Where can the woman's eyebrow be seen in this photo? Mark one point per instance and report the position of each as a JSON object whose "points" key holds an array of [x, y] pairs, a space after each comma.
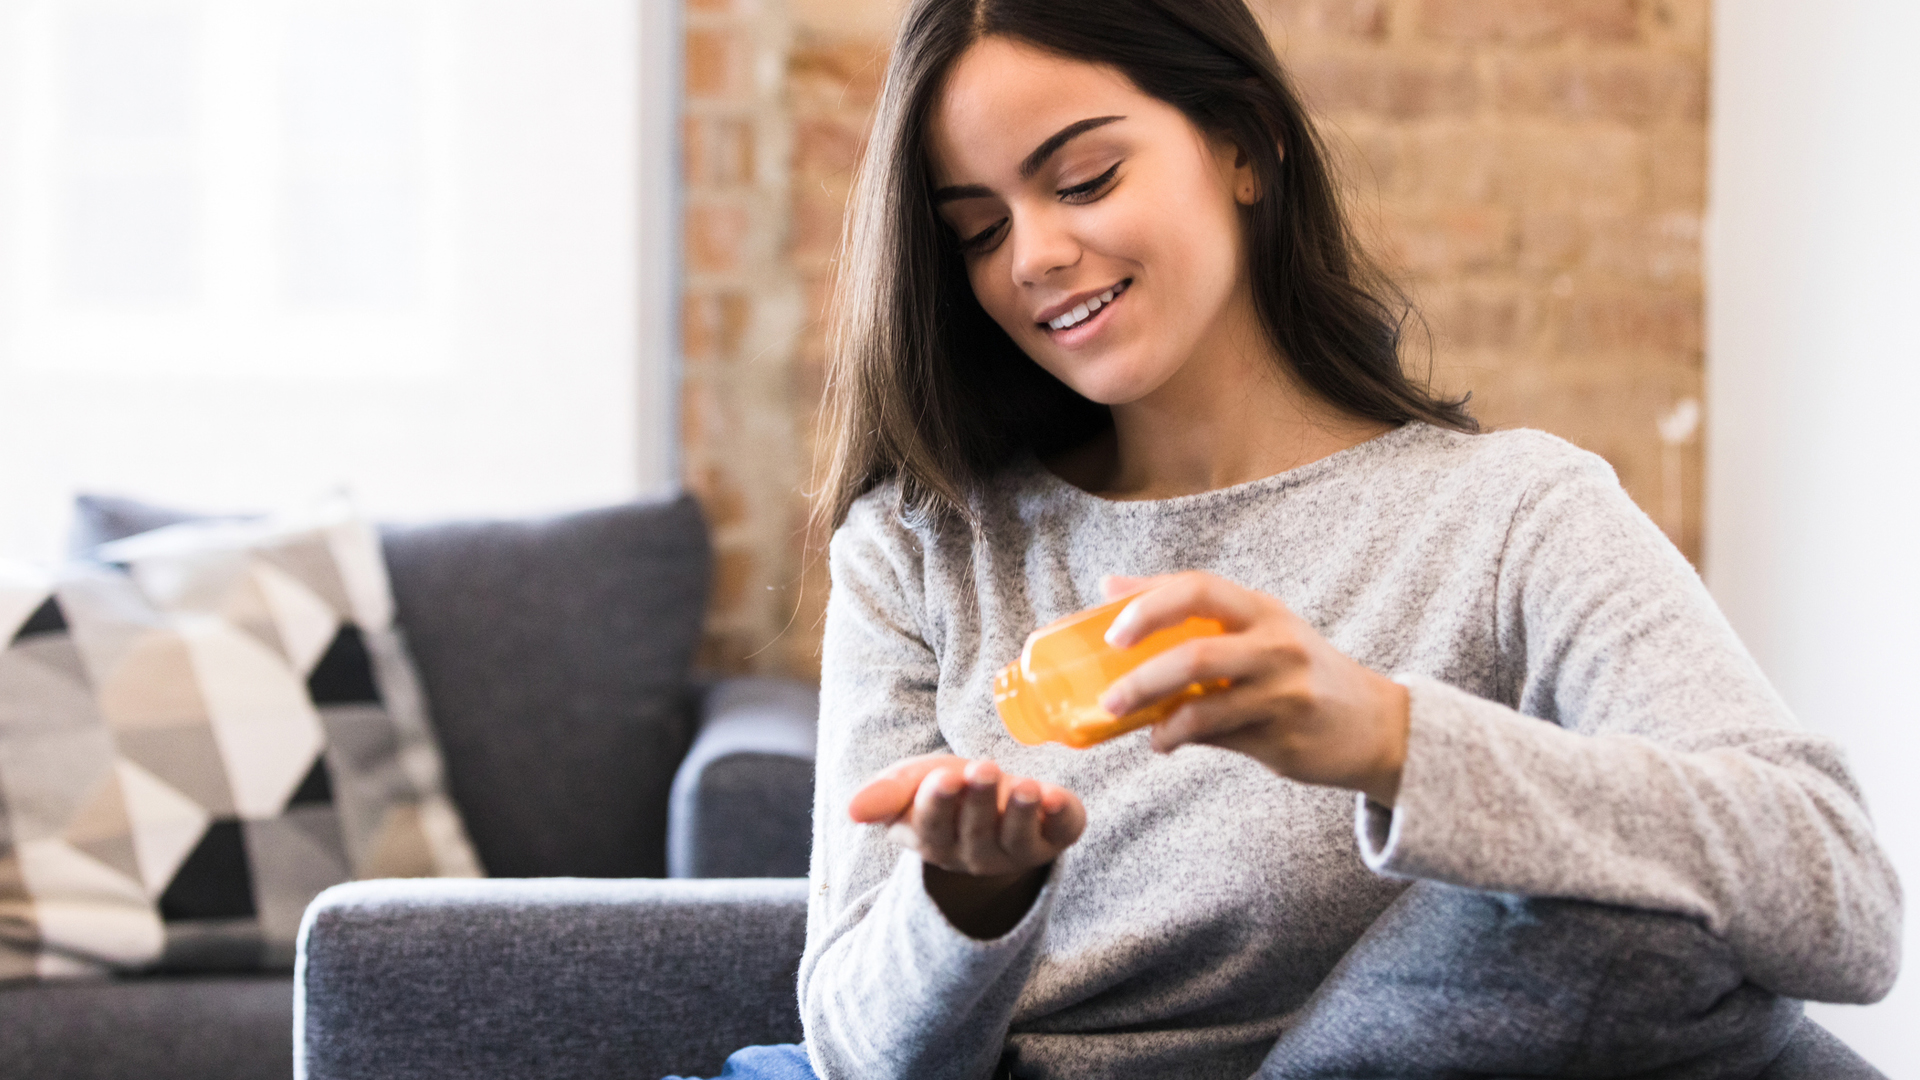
{"points": [[1032, 162], [1059, 139]]}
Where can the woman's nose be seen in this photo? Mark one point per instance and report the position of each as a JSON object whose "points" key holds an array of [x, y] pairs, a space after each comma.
{"points": [[1041, 247]]}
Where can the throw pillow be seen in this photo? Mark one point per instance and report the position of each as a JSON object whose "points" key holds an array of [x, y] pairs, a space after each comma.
{"points": [[198, 739], [557, 653]]}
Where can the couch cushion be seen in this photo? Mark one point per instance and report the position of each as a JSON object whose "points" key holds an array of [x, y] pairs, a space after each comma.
{"points": [[546, 980], [161, 1028], [555, 654]]}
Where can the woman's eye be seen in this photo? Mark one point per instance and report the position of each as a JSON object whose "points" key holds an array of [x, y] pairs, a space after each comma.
{"points": [[985, 238], [1090, 190]]}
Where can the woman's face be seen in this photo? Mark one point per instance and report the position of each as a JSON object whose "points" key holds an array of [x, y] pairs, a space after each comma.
{"points": [[1100, 227]]}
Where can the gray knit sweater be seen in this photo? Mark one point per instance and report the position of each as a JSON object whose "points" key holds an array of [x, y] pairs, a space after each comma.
{"points": [[1584, 724]]}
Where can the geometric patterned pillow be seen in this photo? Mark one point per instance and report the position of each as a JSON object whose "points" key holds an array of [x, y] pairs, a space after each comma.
{"points": [[197, 739]]}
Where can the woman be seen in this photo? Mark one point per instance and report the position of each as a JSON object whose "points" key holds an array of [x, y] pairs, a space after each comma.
{"points": [[1494, 788]]}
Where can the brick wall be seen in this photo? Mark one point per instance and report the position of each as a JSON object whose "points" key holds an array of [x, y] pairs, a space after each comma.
{"points": [[1532, 170]]}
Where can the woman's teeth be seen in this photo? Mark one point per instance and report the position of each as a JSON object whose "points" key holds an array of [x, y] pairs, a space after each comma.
{"points": [[1082, 312]]}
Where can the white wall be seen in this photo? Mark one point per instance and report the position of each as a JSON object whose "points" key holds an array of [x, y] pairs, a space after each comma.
{"points": [[1813, 361]]}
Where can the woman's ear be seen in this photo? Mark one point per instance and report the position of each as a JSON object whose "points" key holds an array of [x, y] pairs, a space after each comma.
{"points": [[1245, 180]]}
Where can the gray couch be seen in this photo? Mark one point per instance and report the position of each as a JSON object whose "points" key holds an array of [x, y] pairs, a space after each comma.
{"points": [[556, 656]]}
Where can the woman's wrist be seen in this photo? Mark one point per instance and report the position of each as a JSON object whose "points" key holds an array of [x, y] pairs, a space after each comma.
{"points": [[1394, 717], [983, 907]]}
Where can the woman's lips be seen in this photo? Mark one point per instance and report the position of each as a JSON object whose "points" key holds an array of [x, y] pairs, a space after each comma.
{"points": [[1089, 324]]}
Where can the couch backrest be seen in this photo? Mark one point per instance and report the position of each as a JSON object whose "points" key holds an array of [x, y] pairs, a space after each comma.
{"points": [[555, 655]]}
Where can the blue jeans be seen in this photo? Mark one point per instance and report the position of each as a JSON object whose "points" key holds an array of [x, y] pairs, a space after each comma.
{"points": [[787, 1061]]}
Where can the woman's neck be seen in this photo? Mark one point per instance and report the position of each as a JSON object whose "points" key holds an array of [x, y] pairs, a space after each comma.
{"points": [[1240, 415]]}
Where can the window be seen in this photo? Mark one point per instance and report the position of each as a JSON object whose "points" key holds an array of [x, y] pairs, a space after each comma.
{"points": [[254, 250]]}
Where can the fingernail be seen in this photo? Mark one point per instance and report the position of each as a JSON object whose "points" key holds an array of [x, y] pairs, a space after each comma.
{"points": [[1111, 701], [1024, 799], [948, 784]]}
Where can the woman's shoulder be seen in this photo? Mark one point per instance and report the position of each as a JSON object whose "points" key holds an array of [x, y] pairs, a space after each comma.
{"points": [[880, 525], [876, 516], [1517, 460]]}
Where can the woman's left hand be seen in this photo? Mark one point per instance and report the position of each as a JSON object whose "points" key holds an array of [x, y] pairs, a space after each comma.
{"points": [[1296, 704]]}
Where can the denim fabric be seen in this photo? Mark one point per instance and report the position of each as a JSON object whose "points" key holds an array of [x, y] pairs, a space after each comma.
{"points": [[1450, 983], [787, 1061]]}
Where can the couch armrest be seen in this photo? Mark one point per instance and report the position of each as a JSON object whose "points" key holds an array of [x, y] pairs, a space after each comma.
{"points": [[742, 800], [548, 977]]}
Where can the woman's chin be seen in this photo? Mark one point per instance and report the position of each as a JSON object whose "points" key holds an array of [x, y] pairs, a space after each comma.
{"points": [[1113, 386]]}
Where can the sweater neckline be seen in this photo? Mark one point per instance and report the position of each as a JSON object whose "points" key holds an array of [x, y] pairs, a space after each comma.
{"points": [[1049, 482]]}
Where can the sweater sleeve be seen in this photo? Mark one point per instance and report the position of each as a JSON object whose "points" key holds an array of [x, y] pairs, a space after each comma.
{"points": [[1669, 775], [888, 987]]}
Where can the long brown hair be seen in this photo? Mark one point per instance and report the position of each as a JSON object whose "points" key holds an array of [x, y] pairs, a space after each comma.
{"points": [[922, 383]]}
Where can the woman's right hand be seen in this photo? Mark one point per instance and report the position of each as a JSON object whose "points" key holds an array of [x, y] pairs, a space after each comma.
{"points": [[986, 838]]}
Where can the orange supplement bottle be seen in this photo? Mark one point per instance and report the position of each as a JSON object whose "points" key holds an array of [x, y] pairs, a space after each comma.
{"points": [[1052, 693]]}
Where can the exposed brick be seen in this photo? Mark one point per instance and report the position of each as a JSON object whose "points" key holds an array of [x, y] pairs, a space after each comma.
{"points": [[696, 409], [845, 18], [1367, 159], [1364, 20], [718, 62], [1529, 22], [1551, 241], [712, 324], [1684, 24], [1660, 248], [825, 146], [1448, 240], [817, 216], [1631, 88], [734, 569], [722, 499], [810, 372], [810, 356], [717, 151], [1594, 169], [817, 287], [1475, 318], [1595, 320], [1387, 84], [716, 237], [709, 413], [836, 73], [1439, 164], [1677, 168], [728, 651]]}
